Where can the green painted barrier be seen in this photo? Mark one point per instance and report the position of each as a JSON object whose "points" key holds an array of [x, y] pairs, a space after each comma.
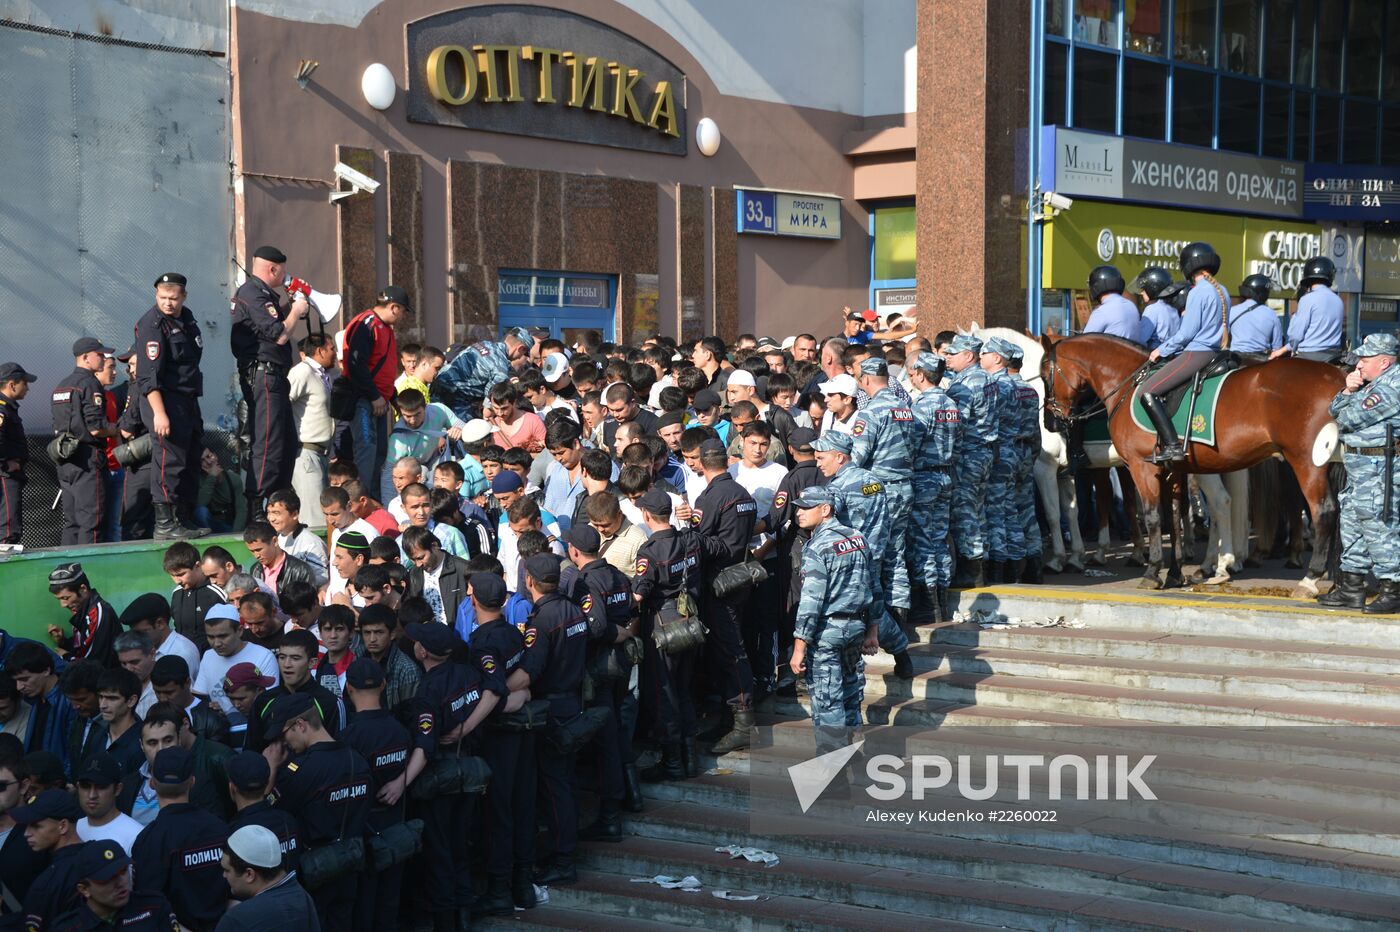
{"points": [[120, 572]]}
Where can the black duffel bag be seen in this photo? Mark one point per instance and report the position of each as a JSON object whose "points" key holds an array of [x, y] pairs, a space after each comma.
{"points": [[529, 717], [63, 448], [395, 844], [675, 632], [320, 866], [134, 452], [343, 399], [736, 579], [615, 660], [569, 737], [450, 776]]}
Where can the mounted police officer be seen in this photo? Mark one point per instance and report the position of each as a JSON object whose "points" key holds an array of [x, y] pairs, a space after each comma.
{"points": [[1254, 327], [1113, 314], [261, 339], [1164, 318], [937, 423], [1203, 333], [169, 381], [1368, 412], [1315, 331], [976, 398], [79, 410]]}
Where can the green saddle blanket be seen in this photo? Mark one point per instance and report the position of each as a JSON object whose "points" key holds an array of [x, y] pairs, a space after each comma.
{"points": [[1202, 416]]}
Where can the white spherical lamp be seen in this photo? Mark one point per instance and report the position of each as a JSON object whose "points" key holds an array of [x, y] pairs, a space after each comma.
{"points": [[378, 86], [707, 137]]}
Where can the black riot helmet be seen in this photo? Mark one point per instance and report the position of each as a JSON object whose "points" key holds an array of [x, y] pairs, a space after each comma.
{"points": [[1318, 269], [1257, 288], [1175, 294], [1197, 257], [1152, 280], [1105, 280]]}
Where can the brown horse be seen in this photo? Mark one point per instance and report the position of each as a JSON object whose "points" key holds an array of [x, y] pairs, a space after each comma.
{"points": [[1277, 407]]}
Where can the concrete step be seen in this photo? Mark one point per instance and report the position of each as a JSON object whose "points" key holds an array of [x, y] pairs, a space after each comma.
{"points": [[909, 892], [982, 878], [551, 917], [1119, 643]]}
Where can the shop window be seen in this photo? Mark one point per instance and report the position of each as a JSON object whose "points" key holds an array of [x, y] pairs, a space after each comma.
{"points": [[1095, 90], [1330, 27], [1361, 123], [1277, 107], [1193, 107], [1094, 23], [1364, 47], [1390, 137], [1239, 36], [1056, 19], [1390, 78], [1145, 27], [1302, 125], [895, 255], [1326, 139], [1144, 99], [1239, 115], [1304, 31], [1053, 104], [1278, 40], [1195, 32]]}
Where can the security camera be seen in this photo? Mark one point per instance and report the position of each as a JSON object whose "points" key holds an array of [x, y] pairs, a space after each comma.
{"points": [[1058, 201], [358, 181]]}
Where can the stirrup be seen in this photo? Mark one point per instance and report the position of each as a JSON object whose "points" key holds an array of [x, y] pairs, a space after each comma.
{"points": [[1170, 453]]}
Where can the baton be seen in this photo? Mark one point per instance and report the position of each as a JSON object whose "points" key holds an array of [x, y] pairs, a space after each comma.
{"points": [[1389, 471]]}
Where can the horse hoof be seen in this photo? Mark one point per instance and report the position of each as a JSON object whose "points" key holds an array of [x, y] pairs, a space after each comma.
{"points": [[1196, 578], [1252, 563], [1293, 564], [1174, 582], [1150, 582], [1054, 567], [1133, 561]]}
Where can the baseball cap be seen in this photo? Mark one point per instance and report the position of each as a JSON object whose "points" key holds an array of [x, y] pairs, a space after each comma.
{"points": [[243, 675], [802, 438], [544, 567], [833, 441], [869, 314], [100, 861], [393, 294], [874, 366], [65, 574], [742, 377], [475, 429], [228, 612], [814, 495], [249, 770], [257, 845], [170, 669], [100, 769], [706, 398], [50, 804], [171, 278], [13, 372], [655, 502], [1378, 344], [270, 253], [437, 639], [365, 673], [147, 607], [789, 341], [285, 708], [84, 345], [173, 766], [488, 589], [712, 446], [964, 342], [554, 367], [842, 384], [507, 480], [584, 537], [855, 315]]}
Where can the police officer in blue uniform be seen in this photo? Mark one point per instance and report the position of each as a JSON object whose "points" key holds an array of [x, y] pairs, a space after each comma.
{"points": [[881, 443], [497, 649], [104, 887], [1316, 328], [937, 423], [1164, 318], [169, 348], [556, 645], [976, 398], [1254, 328], [14, 451], [79, 409], [992, 359], [452, 702], [668, 565], [261, 339], [326, 785], [472, 371], [54, 891], [249, 776], [1113, 314]]}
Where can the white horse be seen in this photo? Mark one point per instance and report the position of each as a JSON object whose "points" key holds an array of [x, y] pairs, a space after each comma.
{"points": [[1227, 496]]}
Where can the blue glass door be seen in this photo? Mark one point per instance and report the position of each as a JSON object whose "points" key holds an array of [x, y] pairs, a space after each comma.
{"points": [[565, 303]]}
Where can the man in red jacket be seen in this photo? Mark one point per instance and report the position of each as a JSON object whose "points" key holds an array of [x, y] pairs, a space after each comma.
{"points": [[371, 364]]}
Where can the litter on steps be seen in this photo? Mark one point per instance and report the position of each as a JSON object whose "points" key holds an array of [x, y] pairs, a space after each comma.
{"points": [[984, 618], [737, 897], [689, 883], [755, 855]]}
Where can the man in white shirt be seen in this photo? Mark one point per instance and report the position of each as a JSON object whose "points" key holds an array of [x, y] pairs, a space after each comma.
{"points": [[840, 393], [149, 614], [335, 504], [310, 389], [759, 477], [226, 648], [99, 780], [518, 515]]}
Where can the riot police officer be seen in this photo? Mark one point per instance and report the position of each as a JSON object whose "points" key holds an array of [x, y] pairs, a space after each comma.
{"points": [[880, 438], [14, 451], [668, 565], [261, 338], [935, 441], [169, 348], [976, 398], [992, 359], [1164, 318], [79, 411], [1254, 327], [1368, 412], [1315, 330]]}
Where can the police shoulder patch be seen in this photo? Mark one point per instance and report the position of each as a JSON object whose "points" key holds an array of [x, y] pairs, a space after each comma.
{"points": [[780, 499], [271, 309], [587, 603], [1371, 400], [858, 429], [530, 637], [153, 350], [425, 723], [643, 564], [488, 663]]}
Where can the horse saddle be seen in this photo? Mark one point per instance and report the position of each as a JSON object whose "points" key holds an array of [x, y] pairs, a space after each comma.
{"points": [[1194, 400]]}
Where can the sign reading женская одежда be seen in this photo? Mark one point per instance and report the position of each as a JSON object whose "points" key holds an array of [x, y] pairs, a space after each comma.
{"points": [[534, 71]]}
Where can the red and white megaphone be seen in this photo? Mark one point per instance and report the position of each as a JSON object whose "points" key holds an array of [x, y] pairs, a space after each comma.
{"points": [[326, 305]]}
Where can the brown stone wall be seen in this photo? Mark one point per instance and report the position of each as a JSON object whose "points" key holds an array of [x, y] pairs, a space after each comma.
{"points": [[406, 239]]}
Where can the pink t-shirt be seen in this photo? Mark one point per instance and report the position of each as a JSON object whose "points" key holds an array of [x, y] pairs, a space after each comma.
{"points": [[529, 428]]}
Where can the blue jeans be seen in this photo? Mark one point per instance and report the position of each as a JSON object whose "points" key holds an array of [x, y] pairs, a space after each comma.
{"points": [[369, 439], [112, 520], [203, 518]]}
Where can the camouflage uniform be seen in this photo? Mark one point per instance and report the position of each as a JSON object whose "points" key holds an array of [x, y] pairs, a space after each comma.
{"points": [[882, 435], [1001, 497], [976, 398], [1026, 539], [465, 381], [1369, 543], [936, 422], [831, 620]]}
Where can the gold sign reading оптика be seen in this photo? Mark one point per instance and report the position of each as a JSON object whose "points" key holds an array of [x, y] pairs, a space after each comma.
{"points": [[490, 74]]}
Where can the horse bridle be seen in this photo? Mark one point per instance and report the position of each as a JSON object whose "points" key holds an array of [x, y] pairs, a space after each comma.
{"points": [[1069, 417]]}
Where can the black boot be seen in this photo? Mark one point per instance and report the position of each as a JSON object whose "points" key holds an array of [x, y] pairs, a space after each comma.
{"points": [[1169, 449], [690, 758], [184, 516], [257, 510], [560, 872], [1015, 570], [903, 666], [445, 920], [996, 572], [497, 901], [922, 607], [1348, 592], [167, 528], [739, 736], [522, 888], [631, 788], [718, 730], [969, 574], [1035, 571], [607, 827], [940, 600], [1387, 601], [671, 765]]}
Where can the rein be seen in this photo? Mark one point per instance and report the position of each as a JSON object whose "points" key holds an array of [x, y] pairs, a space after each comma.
{"points": [[1053, 405]]}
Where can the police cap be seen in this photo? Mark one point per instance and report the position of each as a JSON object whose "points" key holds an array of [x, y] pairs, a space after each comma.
{"points": [[802, 439], [833, 441], [655, 502], [489, 589], [249, 770], [543, 567], [584, 537], [14, 372], [966, 342], [175, 765], [365, 673], [84, 345], [874, 366], [100, 861], [814, 495], [285, 708], [270, 253], [50, 804], [437, 639], [1379, 344], [171, 278]]}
